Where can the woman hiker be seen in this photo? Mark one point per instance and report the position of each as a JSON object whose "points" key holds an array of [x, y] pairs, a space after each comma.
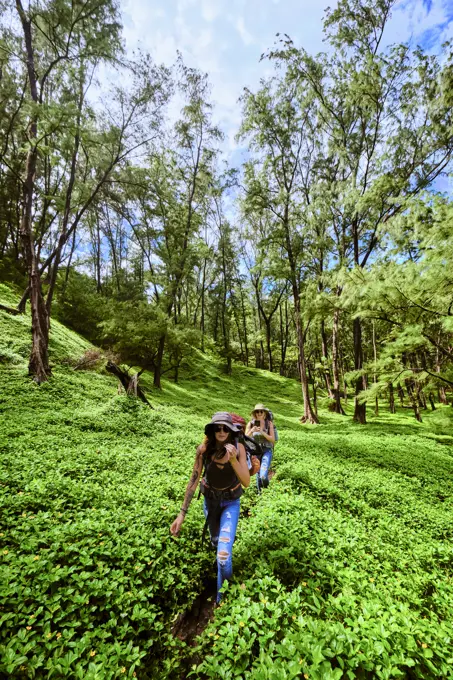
{"points": [[261, 428], [226, 472]]}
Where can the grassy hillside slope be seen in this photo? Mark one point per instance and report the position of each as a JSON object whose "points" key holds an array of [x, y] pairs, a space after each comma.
{"points": [[342, 568]]}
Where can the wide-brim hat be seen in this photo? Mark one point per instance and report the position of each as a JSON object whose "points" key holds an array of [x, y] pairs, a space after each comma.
{"points": [[221, 418], [260, 407]]}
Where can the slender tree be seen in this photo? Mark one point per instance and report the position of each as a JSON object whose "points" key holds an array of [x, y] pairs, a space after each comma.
{"points": [[278, 121], [385, 118]]}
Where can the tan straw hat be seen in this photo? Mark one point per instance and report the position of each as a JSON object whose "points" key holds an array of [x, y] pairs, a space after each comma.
{"points": [[260, 407]]}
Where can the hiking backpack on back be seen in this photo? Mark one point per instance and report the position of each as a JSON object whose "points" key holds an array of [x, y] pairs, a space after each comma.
{"points": [[252, 451], [252, 448], [271, 418]]}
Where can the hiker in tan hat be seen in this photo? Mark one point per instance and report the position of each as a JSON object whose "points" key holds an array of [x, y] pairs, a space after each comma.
{"points": [[225, 473], [261, 428]]}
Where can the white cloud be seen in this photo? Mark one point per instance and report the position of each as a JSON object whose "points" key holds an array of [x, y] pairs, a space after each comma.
{"points": [[247, 37], [226, 37], [164, 48], [210, 10], [182, 5], [205, 38], [410, 20]]}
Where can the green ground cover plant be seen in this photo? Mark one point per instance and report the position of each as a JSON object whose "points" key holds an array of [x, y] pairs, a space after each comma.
{"points": [[343, 568]]}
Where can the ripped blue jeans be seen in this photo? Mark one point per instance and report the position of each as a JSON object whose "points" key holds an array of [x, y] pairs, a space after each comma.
{"points": [[223, 519], [262, 477]]}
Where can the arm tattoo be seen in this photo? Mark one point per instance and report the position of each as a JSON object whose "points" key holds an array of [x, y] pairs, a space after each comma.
{"points": [[187, 499], [193, 479], [190, 490]]}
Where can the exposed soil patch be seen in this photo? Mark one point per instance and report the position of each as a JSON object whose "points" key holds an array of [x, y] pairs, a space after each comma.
{"points": [[192, 623]]}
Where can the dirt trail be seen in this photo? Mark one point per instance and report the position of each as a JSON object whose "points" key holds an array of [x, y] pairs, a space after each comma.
{"points": [[192, 623]]}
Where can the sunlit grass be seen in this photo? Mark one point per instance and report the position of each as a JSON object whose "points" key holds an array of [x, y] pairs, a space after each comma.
{"points": [[360, 515]]}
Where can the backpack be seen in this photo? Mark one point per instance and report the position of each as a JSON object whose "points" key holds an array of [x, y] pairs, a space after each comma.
{"points": [[252, 448], [271, 418]]}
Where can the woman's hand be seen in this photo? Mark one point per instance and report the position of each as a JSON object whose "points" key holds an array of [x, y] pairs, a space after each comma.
{"points": [[177, 524], [231, 452]]}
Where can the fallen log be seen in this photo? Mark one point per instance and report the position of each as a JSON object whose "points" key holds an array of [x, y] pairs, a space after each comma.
{"points": [[129, 382], [89, 359], [10, 310]]}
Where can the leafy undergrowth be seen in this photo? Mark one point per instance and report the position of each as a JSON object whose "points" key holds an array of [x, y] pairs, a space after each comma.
{"points": [[343, 567]]}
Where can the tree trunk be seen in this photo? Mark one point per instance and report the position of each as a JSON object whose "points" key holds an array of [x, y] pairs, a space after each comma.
{"points": [[68, 200], [203, 282], [431, 401], [442, 395], [391, 399], [421, 399], [68, 266], [419, 394], [441, 389], [413, 400], [244, 323], [309, 415], [359, 409], [376, 405], [116, 257], [283, 337], [129, 382], [216, 323], [325, 354], [268, 344], [261, 354], [315, 396], [255, 348], [238, 325], [411, 391], [225, 327], [97, 255], [38, 366], [338, 408], [21, 307], [158, 364]]}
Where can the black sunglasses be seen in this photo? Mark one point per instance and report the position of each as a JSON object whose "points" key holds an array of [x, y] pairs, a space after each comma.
{"points": [[221, 428]]}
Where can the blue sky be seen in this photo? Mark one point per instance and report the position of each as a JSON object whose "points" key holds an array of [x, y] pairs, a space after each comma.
{"points": [[226, 38]]}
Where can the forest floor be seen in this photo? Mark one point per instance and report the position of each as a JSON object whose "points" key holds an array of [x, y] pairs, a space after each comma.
{"points": [[343, 568]]}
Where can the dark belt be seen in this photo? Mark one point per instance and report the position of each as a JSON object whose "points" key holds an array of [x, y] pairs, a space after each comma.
{"points": [[220, 494]]}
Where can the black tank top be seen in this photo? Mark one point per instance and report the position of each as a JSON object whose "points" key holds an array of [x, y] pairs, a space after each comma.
{"points": [[220, 475]]}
